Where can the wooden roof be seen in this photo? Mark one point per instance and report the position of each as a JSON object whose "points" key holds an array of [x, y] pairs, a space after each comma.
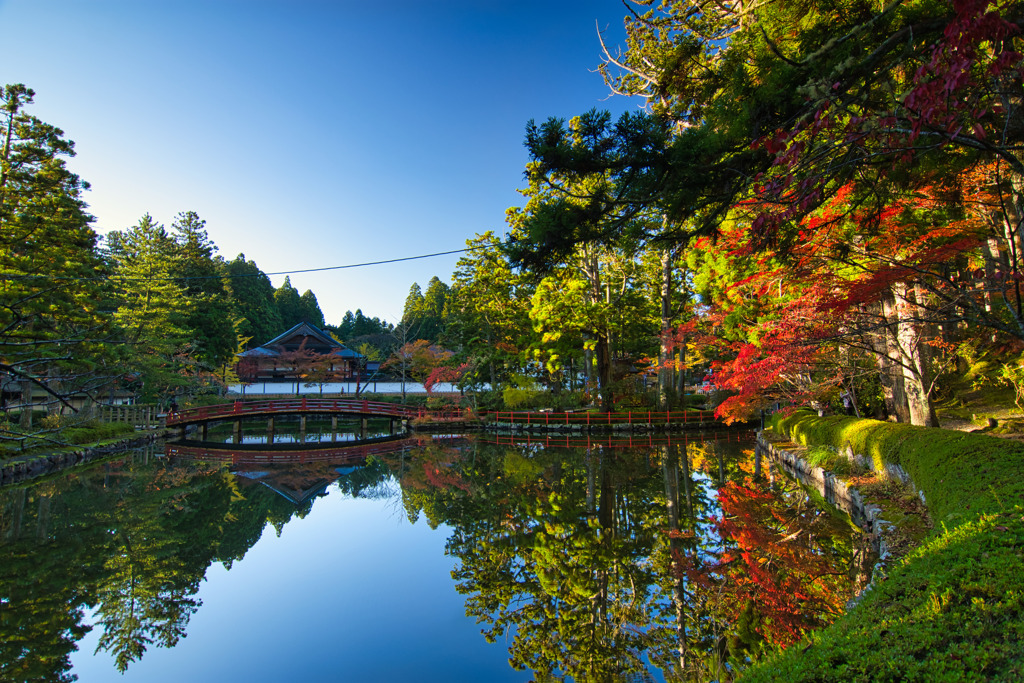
{"points": [[305, 336]]}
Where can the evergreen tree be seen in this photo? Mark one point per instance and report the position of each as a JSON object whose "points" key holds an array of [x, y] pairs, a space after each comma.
{"points": [[289, 305], [49, 268], [348, 323], [413, 305], [152, 311], [311, 312], [489, 308], [209, 317], [252, 302], [434, 309], [424, 313]]}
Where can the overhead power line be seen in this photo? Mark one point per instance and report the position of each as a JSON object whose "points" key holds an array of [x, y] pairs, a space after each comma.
{"points": [[231, 277], [375, 263]]}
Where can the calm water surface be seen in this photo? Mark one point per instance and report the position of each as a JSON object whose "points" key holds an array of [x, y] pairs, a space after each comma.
{"points": [[430, 559]]}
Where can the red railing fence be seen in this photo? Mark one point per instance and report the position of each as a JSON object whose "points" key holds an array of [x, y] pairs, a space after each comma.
{"points": [[651, 417]]}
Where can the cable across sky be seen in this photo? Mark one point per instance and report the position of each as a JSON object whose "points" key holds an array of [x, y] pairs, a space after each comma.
{"points": [[225, 276]]}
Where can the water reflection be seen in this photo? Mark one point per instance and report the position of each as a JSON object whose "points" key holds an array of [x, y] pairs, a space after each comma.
{"points": [[290, 431], [675, 561]]}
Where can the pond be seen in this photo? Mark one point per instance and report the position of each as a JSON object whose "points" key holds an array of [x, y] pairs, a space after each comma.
{"points": [[429, 558]]}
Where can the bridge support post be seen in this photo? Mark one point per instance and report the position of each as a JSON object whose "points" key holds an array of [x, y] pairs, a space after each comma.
{"points": [[270, 430], [302, 427], [238, 431], [182, 430], [391, 426], [362, 427], [202, 431], [334, 428]]}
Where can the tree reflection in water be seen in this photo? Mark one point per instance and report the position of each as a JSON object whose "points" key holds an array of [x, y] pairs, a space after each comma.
{"points": [[600, 563], [595, 563]]}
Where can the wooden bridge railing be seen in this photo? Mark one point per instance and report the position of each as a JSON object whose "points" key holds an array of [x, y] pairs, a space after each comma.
{"points": [[443, 414], [587, 418], [298, 405]]}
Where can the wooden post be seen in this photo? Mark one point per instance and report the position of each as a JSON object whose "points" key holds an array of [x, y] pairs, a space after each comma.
{"points": [[334, 426], [238, 430], [270, 430], [203, 431], [362, 427], [302, 425]]}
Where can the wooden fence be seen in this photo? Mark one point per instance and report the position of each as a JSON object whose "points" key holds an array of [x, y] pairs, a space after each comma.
{"points": [[144, 416]]}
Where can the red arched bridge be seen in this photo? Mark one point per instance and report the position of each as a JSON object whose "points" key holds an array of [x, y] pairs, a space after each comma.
{"points": [[270, 409]]}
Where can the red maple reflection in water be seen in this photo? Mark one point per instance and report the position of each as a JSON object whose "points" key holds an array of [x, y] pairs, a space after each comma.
{"points": [[770, 566]]}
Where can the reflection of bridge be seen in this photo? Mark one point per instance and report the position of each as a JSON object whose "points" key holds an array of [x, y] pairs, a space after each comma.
{"points": [[261, 455], [302, 407]]}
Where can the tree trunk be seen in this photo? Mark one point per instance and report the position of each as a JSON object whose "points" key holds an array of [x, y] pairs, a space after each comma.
{"points": [[592, 270], [670, 472], [993, 261], [896, 400], [665, 350], [1015, 240], [26, 405], [604, 366], [916, 374]]}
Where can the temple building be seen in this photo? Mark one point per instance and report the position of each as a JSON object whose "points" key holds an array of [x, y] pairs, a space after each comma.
{"points": [[301, 353]]}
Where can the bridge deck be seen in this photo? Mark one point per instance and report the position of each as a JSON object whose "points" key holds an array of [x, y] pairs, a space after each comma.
{"points": [[241, 409]]}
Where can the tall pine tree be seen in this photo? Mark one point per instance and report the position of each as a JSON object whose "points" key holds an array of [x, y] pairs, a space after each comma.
{"points": [[50, 324]]}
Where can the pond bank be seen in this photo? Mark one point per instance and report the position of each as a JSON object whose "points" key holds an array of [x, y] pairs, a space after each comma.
{"points": [[952, 609], [875, 503], [24, 468]]}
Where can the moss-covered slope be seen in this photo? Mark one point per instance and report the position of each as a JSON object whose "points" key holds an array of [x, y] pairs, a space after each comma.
{"points": [[952, 609]]}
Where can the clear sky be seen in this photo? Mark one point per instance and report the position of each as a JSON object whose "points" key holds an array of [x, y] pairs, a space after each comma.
{"points": [[311, 133]]}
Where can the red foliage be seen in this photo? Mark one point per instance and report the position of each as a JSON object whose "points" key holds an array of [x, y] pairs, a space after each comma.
{"points": [[447, 374], [769, 561]]}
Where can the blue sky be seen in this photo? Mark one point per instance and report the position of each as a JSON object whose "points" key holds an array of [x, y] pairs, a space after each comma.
{"points": [[311, 133]]}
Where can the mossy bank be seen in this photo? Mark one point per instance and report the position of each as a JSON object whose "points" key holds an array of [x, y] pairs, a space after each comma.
{"points": [[22, 468], [953, 608]]}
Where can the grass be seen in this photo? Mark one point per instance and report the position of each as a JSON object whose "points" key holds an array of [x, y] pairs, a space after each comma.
{"points": [[953, 608], [961, 474], [829, 458], [952, 611], [92, 431]]}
